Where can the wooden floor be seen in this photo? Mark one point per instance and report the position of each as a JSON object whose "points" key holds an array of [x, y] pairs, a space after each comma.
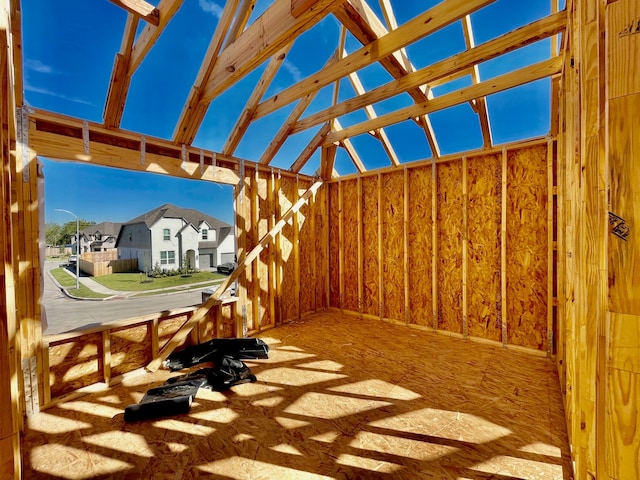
{"points": [[341, 398]]}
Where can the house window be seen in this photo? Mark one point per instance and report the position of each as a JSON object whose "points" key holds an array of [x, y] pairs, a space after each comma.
{"points": [[166, 234], [168, 257], [205, 234]]}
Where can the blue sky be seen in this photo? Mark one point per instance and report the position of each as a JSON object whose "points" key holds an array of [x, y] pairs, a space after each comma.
{"points": [[69, 49]]}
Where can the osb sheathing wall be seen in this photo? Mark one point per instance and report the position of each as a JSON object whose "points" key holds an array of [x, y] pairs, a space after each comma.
{"points": [[480, 232], [288, 278], [598, 242]]}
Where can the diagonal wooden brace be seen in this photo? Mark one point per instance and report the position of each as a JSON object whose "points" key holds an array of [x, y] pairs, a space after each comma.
{"points": [[214, 299]]}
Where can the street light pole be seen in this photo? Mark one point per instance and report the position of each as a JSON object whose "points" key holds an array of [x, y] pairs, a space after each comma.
{"points": [[77, 244]]}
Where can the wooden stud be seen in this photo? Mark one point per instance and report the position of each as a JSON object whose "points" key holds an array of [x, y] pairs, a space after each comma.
{"points": [[550, 247], [255, 236], [360, 247], [434, 242], [314, 235], [106, 356], [341, 241], [380, 259], [278, 242], [503, 249], [405, 244], [296, 249], [273, 283], [465, 245]]}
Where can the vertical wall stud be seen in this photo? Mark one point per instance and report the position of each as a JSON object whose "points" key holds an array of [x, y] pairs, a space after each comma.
{"points": [[503, 249], [465, 246]]}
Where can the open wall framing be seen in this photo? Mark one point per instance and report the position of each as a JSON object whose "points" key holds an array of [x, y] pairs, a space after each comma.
{"points": [[460, 245], [465, 245], [598, 242]]}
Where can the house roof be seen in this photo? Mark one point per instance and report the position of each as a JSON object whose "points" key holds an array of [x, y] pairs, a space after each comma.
{"points": [[168, 210], [331, 87], [111, 229]]}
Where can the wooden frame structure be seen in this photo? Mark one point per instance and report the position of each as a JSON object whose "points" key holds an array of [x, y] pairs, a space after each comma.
{"points": [[530, 245]]}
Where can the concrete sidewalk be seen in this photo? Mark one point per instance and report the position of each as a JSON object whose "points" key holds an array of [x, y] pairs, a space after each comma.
{"points": [[94, 286]]}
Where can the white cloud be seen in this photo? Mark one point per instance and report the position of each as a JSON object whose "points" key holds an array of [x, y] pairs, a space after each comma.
{"points": [[37, 66], [45, 91], [211, 7], [293, 70]]}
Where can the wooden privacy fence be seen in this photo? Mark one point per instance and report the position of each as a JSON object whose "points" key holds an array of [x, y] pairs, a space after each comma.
{"points": [[75, 363], [98, 269], [98, 264]]}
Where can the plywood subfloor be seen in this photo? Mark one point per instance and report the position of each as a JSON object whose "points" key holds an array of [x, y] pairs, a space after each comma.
{"points": [[341, 398]]}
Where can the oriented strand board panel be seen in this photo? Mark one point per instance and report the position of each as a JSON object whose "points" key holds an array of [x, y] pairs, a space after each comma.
{"points": [[450, 224], [623, 61], [623, 398], [306, 243], [334, 246], [420, 247], [266, 209], [336, 399], [370, 272], [527, 247], [167, 327], [392, 244], [130, 348], [289, 301], [483, 249], [624, 217], [75, 364], [350, 247]]}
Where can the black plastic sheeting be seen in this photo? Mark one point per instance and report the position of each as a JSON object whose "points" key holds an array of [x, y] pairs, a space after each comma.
{"points": [[238, 348], [174, 397]]}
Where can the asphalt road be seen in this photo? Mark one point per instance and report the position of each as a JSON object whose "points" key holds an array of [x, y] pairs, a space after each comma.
{"points": [[63, 314]]}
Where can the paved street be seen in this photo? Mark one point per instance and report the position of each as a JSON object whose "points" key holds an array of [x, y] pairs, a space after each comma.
{"points": [[62, 314]]}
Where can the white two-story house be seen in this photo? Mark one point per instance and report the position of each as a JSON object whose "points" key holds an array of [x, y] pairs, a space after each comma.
{"points": [[170, 238]]}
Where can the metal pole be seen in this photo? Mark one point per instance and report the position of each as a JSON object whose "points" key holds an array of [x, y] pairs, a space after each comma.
{"points": [[77, 244]]}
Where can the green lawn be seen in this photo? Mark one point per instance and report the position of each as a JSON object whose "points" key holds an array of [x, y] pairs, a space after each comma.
{"points": [[68, 282], [139, 282]]}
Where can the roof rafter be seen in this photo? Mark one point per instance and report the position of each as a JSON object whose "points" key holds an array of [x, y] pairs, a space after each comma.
{"points": [[285, 130], [380, 134], [291, 120], [430, 21], [311, 147], [480, 105], [130, 58], [445, 68], [140, 9], [424, 121], [241, 126], [528, 74], [194, 111], [276, 27]]}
